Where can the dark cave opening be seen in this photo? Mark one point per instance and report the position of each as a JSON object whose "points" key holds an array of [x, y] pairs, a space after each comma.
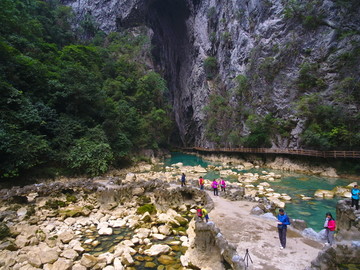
{"points": [[171, 50]]}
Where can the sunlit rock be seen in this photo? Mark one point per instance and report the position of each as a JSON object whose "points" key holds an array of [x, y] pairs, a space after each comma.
{"points": [[157, 249], [321, 193]]}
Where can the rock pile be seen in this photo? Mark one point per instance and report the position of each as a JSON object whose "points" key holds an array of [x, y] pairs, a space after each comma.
{"points": [[64, 228]]}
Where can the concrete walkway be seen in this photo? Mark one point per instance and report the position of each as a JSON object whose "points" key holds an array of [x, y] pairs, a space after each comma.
{"points": [[260, 237]]}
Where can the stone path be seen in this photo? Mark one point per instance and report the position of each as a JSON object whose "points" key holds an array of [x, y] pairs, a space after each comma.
{"points": [[260, 237]]}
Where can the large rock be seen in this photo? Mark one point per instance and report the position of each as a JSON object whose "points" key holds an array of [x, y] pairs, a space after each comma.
{"points": [[348, 221], [66, 236], [332, 257], [69, 254], [118, 265], [256, 211], [63, 264], [42, 254], [320, 193], [157, 249], [8, 259], [88, 260]]}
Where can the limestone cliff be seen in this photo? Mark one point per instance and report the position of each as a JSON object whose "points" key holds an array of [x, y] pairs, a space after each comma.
{"points": [[247, 57]]}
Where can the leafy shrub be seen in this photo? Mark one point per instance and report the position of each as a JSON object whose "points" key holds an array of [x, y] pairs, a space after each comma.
{"points": [[210, 67], [91, 154], [306, 12], [243, 85], [260, 131], [308, 77]]}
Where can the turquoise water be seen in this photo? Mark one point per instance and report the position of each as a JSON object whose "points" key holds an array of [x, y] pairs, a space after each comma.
{"points": [[312, 211]]}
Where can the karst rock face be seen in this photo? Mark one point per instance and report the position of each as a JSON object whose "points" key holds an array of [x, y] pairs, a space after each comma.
{"points": [[262, 43]]}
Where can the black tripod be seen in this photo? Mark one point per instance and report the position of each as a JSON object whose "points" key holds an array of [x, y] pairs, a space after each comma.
{"points": [[247, 257]]}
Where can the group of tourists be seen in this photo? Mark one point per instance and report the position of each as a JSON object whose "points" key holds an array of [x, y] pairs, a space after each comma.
{"points": [[214, 185], [282, 219]]}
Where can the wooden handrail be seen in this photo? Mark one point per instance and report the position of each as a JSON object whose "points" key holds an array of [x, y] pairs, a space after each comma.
{"points": [[301, 152]]}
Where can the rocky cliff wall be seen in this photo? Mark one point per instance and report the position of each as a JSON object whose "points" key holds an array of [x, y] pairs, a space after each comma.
{"points": [[246, 56], [348, 221]]}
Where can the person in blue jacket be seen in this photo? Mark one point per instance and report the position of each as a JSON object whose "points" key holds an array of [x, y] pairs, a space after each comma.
{"points": [[355, 197], [183, 180], [283, 221]]}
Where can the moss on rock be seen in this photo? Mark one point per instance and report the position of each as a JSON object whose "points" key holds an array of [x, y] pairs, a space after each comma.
{"points": [[4, 230], [149, 207]]}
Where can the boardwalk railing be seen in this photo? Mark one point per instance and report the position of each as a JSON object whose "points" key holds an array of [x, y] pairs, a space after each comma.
{"points": [[301, 152]]}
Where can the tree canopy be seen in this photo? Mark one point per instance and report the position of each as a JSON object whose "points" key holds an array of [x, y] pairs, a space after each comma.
{"points": [[76, 106]]}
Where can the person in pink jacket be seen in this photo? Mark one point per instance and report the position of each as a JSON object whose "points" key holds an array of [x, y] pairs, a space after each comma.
{"points": [[330, 226], [222, 184], [214, 185]]}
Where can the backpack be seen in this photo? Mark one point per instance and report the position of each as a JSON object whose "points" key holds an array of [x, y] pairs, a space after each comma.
{"points": [[199, 212]]}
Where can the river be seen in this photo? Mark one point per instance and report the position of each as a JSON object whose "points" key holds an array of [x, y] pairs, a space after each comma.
{"points": [[312, 211]]}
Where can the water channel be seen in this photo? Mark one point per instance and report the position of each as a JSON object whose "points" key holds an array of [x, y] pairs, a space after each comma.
{"points": [[312, 211]]}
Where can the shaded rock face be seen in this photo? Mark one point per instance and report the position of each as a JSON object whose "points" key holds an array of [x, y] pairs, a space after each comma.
{"points": [[210, 249], [348, 221], [267, 42], [164, 197], [331, 258]]}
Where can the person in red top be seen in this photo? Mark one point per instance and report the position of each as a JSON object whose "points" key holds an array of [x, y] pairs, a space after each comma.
{"points": [[201, 183], [330, 226]]}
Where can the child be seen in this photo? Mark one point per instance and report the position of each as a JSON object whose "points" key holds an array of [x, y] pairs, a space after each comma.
{"points": [[201, 183], [205, 214], [202, 213]]}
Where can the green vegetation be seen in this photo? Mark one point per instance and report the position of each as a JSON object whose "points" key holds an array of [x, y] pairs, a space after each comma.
{"points": [[269, 68], [218, 121], [4, 230], [328, 127], [70, 198], [76, 106], [211, 14], [210, 67], [308, 12], [150, 208], [309, 77], [54, 204], [243, 85], [226, 37], [260, 131]]}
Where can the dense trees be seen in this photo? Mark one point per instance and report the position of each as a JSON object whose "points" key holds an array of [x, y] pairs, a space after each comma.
{"points": [[73, 106]]}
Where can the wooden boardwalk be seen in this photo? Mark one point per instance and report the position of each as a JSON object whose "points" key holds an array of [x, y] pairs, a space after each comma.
{"points": [[300, 152]]}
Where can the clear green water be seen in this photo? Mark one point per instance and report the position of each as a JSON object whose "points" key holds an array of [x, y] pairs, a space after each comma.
{"points": [[312, 211], [109, 242]]}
